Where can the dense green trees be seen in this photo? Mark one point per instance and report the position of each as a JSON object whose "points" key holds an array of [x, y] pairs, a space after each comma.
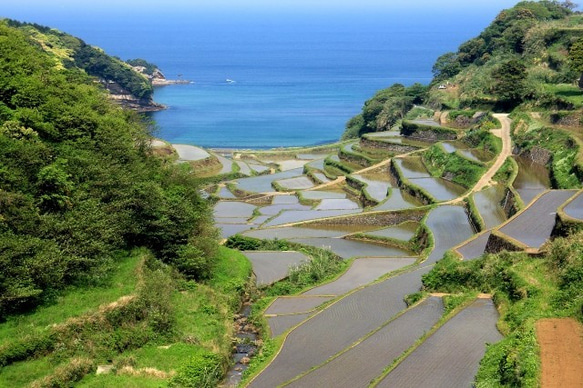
{"points": [[576, 59], [385, 109], [77, 182]]}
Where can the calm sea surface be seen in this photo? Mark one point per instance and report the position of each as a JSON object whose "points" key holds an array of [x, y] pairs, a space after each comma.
{"points": [[296, 81]]}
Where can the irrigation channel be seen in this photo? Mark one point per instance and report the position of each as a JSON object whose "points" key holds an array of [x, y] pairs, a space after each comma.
{"points": [[358, 329]]}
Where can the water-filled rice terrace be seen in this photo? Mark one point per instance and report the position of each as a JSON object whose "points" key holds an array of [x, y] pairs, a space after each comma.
{"points": [[376, 204]]}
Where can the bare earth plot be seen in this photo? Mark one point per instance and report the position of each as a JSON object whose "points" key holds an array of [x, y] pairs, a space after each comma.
{"points": [[270, 267], [364, 362], [362, 271], [337, 327], [561, 346], [451, 356], [534, 225]]}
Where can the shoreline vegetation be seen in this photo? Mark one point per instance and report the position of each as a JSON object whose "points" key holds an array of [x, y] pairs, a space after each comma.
{"points": [[113, 273]]}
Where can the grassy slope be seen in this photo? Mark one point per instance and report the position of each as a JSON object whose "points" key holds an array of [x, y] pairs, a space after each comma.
{"points": [[202, 315]]}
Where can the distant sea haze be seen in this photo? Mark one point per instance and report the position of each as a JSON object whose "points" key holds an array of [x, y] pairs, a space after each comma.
{"points": [[274, 82]]}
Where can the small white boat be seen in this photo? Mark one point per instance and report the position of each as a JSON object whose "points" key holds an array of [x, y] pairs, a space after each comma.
{"points": [[230, 81]]}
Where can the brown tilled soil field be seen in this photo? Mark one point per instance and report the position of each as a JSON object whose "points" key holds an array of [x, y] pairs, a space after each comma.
{"points": [[561, 347]]}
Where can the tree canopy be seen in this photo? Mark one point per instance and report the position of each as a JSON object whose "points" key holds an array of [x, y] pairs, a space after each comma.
{"points": [[78, 182]]}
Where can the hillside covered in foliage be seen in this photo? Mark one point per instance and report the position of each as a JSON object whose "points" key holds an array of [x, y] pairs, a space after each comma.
{"points": [[102, 244], [527, 59]]}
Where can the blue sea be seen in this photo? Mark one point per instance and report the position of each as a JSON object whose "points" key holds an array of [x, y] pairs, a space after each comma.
{"points": [[294, 80]]}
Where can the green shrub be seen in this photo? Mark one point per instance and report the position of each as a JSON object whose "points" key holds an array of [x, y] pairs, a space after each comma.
{"points": [[202, 370]]}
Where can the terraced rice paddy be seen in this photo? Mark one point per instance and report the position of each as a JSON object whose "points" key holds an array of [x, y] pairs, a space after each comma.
{"points": [[475, 247], [279, 324], [488, 204], [450, 226], [190, 153], [348, 248], [227, 164], [243, 168], [270, 267], [575, 207], [263, 183], [290, 217], [404, 231], [532, 179], [297, 183], [398, 200], [533, 226], [225, 193], [365, 361], [228, 230], [337, 327], [337, 204], [290, 233], [296, 304], [233, 209], [412, 168], [362, 271], [317, 195], [376, 189], [439, 188], [451, 356]]}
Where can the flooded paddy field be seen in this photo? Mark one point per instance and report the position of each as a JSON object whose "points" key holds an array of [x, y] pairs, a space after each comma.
{"points": [[362, 271], [404, 231], [575, 208], [367, 360], [439, 188], [397, 200], [263, 183], [349, 248], [488, 202], [291, 216], [296, 304], [270, 267], [475, 247], [377, 190], [532, 179], [533, 226], [450, 226], [279, 324], [451, 356], [337, 327], [412, 167]]}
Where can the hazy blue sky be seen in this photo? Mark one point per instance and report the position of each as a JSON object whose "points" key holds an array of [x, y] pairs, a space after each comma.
{"points": [[228, 6]]}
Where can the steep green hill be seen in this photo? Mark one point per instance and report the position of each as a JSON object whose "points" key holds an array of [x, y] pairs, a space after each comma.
{"points": [[526, 59], [69, 52], [106, 252]]}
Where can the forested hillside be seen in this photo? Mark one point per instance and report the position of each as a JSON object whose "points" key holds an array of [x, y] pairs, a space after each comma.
{"points": [[527, 59], [89, 217]]}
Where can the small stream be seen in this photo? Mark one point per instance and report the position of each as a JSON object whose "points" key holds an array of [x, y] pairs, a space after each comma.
{"points": [[244, 348]]}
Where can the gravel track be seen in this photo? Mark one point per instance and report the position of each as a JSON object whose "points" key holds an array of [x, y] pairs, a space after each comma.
{"points": [[451, 356]]}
